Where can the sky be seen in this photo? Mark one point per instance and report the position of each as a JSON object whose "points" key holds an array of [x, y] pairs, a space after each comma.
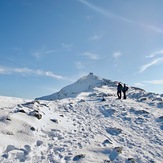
{"points": [[47, 45]]}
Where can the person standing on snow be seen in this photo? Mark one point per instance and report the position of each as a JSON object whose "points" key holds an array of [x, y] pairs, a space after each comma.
{"points": [[119, 90], [124, 90]]}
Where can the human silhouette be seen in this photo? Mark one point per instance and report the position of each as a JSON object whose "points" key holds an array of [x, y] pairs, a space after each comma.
{"points": [[124, 90], [119, 90]]}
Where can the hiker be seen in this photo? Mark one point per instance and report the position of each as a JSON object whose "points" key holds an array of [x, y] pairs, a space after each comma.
{"points": [[119, 90], [124, 90]]}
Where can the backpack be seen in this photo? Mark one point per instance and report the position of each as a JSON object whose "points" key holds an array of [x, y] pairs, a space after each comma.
{"points": [[125, 88]]}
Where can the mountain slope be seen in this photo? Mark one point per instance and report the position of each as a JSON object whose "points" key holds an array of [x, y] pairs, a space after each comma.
{"points": [[90, 83], [84, 84], [85, 129]]}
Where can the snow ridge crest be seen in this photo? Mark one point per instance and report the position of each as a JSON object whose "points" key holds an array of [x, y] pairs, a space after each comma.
{"points": [[84, 84]]}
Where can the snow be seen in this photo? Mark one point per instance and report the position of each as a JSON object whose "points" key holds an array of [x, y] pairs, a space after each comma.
{"points": [[87, 125]]}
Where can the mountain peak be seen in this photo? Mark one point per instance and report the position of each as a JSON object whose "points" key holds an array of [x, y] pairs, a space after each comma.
{"points": [[96, 85], [84, 84]]}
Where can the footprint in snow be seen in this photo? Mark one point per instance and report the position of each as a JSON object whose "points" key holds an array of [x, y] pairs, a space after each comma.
{"points": [[106, 142], [107, 112], [39, 142], [159, 119], [114, 154], [114, 131], [161, 127], [139, 120], [21, 154], [139, 112]]}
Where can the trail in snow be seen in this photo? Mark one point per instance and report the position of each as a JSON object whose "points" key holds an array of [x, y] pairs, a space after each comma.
{"points": [[82, 130], [84, 122]]}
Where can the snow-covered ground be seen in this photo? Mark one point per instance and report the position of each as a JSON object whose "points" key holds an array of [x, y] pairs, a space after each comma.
{"points": [[88, 124]]}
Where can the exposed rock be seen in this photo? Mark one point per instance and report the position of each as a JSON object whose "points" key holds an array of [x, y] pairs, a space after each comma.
{"points": [[102, 95], [143, 99], [8, 119], [54, 120], [39, 116], [78, 157], [131, 160], [22, 111], [103, 99], [119, 149], [157, 99], [32, 128], [36, 114]]}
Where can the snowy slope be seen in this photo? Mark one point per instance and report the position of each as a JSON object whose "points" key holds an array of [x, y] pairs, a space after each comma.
{"points": [[92, 127], [85, 84], [10, 101], [90, 82]]}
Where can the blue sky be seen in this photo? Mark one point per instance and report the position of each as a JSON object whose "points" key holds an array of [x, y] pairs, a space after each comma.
{"points": [[46, 45]]}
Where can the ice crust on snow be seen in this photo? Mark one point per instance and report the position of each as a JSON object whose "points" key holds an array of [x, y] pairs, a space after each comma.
{"points": [[78, 125]]}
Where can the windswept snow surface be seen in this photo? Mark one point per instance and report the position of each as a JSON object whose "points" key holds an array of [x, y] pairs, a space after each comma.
{"points": [[84, 123], [94, 127]]}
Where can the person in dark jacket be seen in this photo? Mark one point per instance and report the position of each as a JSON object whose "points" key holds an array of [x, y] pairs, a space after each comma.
{"points": [[124, 90], [119, 90]]}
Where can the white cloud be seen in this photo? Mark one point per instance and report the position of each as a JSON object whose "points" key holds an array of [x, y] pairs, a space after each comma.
{"points": [[138, 84], [160, 52], [116, 55], [27, 71], [50, 51], [152, 63], [92, 56], [124, 19], [46, 73], [4, 70], [95, 37], [67, 46], [37, 54], [156, 82], [40, 53]]}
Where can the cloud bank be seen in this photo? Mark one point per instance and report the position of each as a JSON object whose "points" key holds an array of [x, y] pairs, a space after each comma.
{"points": [[156, 82], [27, 71]]}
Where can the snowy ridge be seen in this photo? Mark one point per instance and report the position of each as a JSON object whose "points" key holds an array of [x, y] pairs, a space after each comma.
{"points": [[84, 84], [91, 125], [90, 83]]}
